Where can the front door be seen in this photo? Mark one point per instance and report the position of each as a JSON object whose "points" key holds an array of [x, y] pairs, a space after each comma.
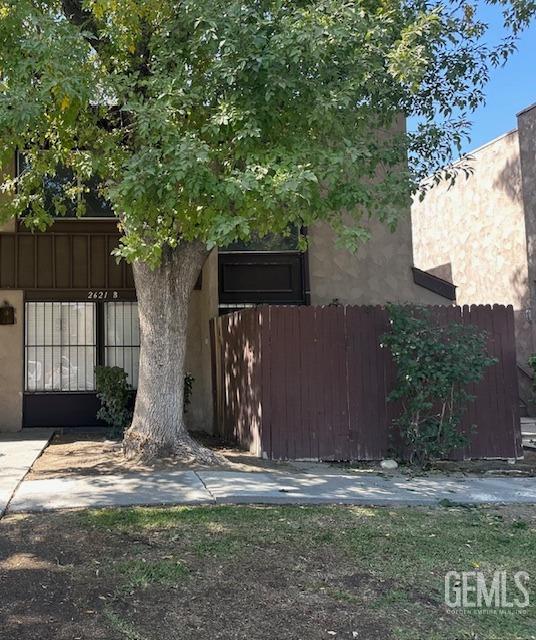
{"points": [[64, 341]]}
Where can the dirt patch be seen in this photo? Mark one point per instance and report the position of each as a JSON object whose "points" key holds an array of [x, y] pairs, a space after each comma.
{"points": [[62, 582], [524, 467], [90, 455], [520, 468], [255, 573]]}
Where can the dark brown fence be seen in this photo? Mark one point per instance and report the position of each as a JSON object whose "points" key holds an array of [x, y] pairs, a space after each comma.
{"points": [[312, 382]]}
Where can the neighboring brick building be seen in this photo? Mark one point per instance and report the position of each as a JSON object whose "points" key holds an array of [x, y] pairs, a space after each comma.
{"points": [[480, 234]]}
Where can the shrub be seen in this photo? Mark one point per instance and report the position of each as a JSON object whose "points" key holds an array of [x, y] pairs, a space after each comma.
{"points": [[114, 393], [434, 366]]}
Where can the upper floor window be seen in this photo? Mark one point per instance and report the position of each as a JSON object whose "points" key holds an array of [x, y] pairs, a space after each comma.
{"points": [[96, 205], [271, 242]]}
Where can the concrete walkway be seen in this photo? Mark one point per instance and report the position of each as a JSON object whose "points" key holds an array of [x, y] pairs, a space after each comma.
{"points": [[224, 487], [18, 452]]}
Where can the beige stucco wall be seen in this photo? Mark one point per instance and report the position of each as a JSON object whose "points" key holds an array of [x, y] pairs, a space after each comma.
{"points": [[8, 227], [11, 364], [379, 272], [476, 231], [203, 307]]}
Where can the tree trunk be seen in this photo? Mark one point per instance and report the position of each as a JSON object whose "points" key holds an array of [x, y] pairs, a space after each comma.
{"points": [[158, 429]]}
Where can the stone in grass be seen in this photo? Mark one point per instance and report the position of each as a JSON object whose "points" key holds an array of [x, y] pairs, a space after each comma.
{"points": [[389, 464]]}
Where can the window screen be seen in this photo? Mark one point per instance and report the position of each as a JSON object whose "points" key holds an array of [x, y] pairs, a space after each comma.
{"points": [[122, 338], [60, 346]]}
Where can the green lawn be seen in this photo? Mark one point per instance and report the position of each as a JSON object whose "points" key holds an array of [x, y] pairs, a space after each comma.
{"points": [[259, 572]]}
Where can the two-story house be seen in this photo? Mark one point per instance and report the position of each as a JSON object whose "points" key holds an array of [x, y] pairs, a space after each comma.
{"points": [[66, 305]]}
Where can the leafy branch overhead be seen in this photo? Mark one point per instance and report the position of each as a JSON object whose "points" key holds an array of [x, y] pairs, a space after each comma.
{"points": [[214, 119]]}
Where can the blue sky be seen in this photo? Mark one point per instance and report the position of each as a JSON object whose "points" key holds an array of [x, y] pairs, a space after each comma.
{"points": [[511, 88]]}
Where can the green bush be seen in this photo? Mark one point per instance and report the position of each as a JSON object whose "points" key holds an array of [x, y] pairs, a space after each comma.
{"points": [[434, 366], [114, 393]]}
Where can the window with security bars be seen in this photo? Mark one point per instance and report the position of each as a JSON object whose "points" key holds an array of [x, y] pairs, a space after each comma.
{"points": [[60, 346], [122, 338], [64, 341]]}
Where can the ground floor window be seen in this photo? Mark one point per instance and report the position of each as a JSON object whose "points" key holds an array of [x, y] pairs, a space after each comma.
{"points": [[122, 338], [64, 341], [61, 346]]}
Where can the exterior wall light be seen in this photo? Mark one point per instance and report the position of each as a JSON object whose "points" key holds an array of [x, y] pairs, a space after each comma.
{"points": [[7, 313]]}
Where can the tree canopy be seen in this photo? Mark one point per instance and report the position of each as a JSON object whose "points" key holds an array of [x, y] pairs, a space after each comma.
{"points": [[214, 119]]}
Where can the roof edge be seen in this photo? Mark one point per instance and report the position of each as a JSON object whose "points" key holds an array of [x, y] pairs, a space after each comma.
{"points": [[434, 283], [529, 108], [489, 143]]}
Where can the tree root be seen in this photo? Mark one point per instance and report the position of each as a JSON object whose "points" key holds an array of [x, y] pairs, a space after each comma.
{"points": [[140, 447]]}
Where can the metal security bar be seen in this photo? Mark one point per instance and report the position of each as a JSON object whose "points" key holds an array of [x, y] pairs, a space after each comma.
{"points": [[122, 338], [60, 346]]}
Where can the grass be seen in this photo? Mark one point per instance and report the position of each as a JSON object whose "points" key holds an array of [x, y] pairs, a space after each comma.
{"points": [[236, 571], [127, 631], [402, 555], [142, 573]]}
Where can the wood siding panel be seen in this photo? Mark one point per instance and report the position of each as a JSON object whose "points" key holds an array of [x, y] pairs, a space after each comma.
{"points": [[115, 269], [8, 268], [98, 262], [45, 262], [128, 276], [80, 264], [62, 261], [26, 262]]}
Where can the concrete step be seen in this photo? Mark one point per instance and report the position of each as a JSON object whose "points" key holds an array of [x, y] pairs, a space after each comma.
{"points": [[528, 433], [528, 426]]}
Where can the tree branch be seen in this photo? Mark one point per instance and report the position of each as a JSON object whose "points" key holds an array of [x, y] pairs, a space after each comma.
{"points": [[80, 17], [76, 14]]}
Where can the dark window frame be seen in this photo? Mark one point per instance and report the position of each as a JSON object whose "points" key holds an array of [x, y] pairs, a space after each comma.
{"points": [[107, 214]]}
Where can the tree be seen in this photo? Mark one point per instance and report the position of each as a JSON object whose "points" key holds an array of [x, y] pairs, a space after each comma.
{"points": [[205, 121]]}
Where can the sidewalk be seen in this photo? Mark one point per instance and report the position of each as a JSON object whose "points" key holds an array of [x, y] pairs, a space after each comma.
{"points": [[224, 487], [18, 451]]}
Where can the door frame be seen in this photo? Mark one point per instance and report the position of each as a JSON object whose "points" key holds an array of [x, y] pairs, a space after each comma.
{"points": [[68, 408]]}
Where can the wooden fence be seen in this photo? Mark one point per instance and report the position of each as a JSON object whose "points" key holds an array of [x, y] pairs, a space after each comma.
{"points": [[312, 382]]}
